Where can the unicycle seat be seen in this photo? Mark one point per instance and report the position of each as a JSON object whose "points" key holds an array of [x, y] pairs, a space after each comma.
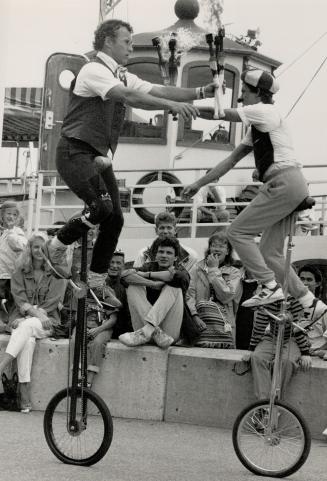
{"points": [[307, 203]]}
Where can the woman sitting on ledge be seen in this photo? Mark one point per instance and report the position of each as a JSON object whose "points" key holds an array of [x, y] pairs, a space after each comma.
{"points": [[37, 295], [214, 293]]}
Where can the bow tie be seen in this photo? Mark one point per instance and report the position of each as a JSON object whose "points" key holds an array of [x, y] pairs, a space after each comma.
{"points": [[121, 73]]}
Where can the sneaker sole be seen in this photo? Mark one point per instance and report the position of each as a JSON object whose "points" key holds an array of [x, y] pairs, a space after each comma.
{"points": [[263, 302]]}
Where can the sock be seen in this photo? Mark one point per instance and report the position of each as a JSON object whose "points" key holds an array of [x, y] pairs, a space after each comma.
{"points": [[307, 299], [271, 284]]}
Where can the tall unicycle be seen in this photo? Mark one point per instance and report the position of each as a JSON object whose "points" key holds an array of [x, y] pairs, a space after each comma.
{"points": [[77, 422], [270, 437]]}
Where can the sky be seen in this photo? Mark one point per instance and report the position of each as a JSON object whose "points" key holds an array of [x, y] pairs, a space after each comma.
{"points": [[30, 30]]}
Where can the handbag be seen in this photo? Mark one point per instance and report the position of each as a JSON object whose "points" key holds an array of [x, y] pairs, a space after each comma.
{"points": [[10, 398], [218, 334]]}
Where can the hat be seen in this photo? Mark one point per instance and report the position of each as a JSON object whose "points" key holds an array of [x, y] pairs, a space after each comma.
{"points": [[9, 204], [260, 79]]}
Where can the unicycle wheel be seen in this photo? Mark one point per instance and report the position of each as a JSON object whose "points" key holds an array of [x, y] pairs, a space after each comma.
{"points": [[275, 448], [88, 440]]}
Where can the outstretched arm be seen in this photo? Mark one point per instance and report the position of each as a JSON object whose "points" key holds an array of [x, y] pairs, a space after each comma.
{"points": [[231, 115], [180, 94], [221, 169], [145, 101]]}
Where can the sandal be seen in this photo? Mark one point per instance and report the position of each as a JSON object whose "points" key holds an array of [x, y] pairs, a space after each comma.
{"points": [[26, 409]]}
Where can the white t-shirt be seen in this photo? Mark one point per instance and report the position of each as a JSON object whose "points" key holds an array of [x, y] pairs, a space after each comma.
{"points": [[94, 79], [267, 118]]}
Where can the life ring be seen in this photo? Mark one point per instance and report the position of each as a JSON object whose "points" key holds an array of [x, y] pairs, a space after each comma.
{"points": [[137, 197]]}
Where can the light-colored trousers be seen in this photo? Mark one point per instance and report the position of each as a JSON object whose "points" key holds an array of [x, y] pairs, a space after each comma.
{"points": [[261, 361], [22, 344], [269, 214], [166, 312]]}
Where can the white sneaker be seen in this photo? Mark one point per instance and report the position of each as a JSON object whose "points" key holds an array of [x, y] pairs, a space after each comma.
{"points": [[264, 296], [131, 339], [162, 339]]}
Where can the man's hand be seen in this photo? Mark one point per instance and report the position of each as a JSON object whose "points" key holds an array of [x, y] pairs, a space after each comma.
{"points": [[210, 89], [187, 111], [212, 260], [92, 333], [190, 190], [305, 363], [201, 324]]}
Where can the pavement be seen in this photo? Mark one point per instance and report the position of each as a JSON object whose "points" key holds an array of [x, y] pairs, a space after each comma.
{"points": [[140, 451]]}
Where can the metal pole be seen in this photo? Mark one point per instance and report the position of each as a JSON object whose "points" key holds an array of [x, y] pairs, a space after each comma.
{"points": [[31, 199]]}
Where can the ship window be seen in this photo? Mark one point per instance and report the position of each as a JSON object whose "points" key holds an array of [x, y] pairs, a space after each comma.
{"points": [[147, 126], [208, 133]]}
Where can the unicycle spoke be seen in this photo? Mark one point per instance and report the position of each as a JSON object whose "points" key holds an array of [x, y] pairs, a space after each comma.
{"points": [[277, 447]]}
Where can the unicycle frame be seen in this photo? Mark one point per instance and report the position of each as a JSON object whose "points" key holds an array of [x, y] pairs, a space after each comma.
{"points": [[80, 347], [283, 318]]}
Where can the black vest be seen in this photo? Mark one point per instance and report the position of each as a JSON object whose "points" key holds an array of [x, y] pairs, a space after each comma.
{"points": [[263, 151], [93, 120]]}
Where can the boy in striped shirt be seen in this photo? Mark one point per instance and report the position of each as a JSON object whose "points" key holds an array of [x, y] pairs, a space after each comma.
{"points": [[295, 351]]}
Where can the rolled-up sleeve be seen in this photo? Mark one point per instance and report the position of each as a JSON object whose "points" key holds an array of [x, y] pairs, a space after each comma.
{"points": [[227, 286]]}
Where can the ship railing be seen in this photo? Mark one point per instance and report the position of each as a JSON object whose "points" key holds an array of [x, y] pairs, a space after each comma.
{"points": [[47, 182]]}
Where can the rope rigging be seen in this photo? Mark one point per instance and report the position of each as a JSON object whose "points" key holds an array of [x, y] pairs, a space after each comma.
{"points": [[307, 86]]}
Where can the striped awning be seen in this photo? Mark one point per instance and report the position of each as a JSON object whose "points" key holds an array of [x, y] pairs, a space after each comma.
{"points": [[22, 113]]}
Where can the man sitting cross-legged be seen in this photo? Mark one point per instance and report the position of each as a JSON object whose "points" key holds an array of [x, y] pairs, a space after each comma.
{"points": [[156, 297], [165, 226]]}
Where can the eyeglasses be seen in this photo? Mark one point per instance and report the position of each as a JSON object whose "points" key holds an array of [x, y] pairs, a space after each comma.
{"points": [[219, 246]]}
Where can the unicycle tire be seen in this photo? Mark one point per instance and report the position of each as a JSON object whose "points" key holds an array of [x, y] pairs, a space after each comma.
{"points": [[276, 452], [94, 431]]}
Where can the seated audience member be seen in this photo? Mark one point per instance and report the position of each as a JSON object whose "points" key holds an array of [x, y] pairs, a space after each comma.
{"points": [[113, 280], [212, 193], [165, 227], [315, 327], [38, 296], [214, 278], [12, 243], [156, 297], [100, 324], [296, 349]]}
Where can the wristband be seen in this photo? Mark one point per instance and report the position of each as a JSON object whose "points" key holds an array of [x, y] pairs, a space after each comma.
{"points": [[149, 277]]}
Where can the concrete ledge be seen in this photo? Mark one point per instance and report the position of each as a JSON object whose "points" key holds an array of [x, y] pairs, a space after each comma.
{"points": [[188, 385], [203, 388], [132, 381]]}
